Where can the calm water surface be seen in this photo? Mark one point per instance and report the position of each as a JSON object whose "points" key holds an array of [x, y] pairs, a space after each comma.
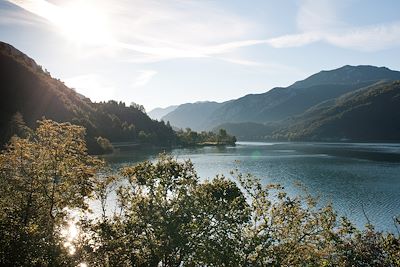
{"points": [[352, 176]]}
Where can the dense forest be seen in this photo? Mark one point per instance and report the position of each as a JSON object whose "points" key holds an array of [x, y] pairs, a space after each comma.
{"points": [[29, 93], [166, 215]]}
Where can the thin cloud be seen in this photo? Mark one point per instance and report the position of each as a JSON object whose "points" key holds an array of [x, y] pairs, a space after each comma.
{"points": [[151, 31], [145, 31], [320, 15], [294, 40], [92, 85], [143, 77], [14, 17], [369, 38], [372, 38]]}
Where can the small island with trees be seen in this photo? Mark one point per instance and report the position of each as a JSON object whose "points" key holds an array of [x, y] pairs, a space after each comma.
{"points": [[192, 138]]}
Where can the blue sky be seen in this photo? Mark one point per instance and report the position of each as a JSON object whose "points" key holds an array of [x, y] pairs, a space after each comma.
{"points": [[160, 53]]}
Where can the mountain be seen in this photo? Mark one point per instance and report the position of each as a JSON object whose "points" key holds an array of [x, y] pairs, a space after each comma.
{"points": [[282, 103], [192, 115], [368, 114], [158, 113], [30, 93], [348, 75]]}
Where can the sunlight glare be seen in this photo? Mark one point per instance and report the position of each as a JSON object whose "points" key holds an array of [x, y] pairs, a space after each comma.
{"points": [[71, 232], [84, 23]]}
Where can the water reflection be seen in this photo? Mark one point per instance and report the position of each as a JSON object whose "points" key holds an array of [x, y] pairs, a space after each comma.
{"points": [[71, 231], [70, 234]]}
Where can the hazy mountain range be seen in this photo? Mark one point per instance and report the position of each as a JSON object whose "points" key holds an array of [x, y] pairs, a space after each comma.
{"points": [[192, 115], [158, 113], [302, 110]]}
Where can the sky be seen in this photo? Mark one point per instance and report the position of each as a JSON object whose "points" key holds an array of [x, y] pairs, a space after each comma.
{"points": [[168, 52]]}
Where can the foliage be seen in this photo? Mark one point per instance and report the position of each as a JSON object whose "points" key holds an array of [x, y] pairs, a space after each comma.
{"points": [[191, 138], [248, 131], [169, 217], [42, 177], [294, 231], [166, 216]]}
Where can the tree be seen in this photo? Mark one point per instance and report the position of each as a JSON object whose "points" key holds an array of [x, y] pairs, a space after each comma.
{"points": [[169, 218], [42, 178]]}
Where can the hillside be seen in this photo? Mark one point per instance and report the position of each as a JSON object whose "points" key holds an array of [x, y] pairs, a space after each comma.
{"points": [[369, 114], [281, 103], [348, 75], [158, 113], [192, 115], [29, 90]]}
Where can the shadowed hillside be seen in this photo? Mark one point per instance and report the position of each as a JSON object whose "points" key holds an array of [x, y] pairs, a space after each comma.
{"points": [[370, 114], [29, 90]]}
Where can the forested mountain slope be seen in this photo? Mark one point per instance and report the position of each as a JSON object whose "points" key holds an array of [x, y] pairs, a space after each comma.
{"points": [[27, 89], [369, 114], [281, 103]]}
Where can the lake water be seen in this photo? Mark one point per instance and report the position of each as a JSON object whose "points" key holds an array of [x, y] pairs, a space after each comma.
{"points": [[352, 176]]}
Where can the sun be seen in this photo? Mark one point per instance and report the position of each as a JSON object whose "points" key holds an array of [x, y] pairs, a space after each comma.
{"points": [[83, 23]]}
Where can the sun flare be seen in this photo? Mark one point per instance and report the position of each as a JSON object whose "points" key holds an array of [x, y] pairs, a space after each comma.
{"points": [[83, 23]]}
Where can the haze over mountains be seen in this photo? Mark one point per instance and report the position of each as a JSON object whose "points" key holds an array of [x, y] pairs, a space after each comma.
{"points": [[158, 113], [280, 111], [192, 115]]}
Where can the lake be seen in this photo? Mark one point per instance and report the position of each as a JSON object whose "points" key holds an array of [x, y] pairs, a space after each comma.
{"points": [[352, 176]]}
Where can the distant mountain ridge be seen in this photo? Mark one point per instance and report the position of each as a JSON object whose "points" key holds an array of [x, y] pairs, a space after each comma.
{"points": [[348, 75], [158, 113], [192, 115], [279, 104]]}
